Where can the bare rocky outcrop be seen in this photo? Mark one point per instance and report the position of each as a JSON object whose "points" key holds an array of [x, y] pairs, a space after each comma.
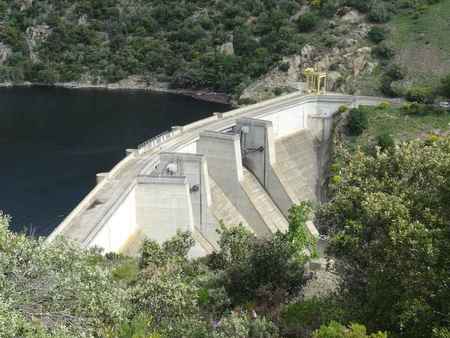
{"points": [[227, 48], [274, 80], [35, 35], [5, 53], [24, 4], [346, 61]]}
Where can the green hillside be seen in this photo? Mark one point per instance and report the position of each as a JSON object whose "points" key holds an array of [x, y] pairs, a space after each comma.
{"points": [[221, 45], [422, 42]]}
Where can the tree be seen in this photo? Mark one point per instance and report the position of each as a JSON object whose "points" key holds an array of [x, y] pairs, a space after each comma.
{"points": [[389, 219], [357, 121], [336, 330], [445, 87], [307, 22], [376, 34]]}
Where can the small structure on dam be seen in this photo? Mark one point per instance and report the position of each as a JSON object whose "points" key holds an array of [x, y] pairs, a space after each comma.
{"points": [[247, 166]]}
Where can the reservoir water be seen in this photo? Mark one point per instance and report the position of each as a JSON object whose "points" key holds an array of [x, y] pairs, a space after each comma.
{"points": [[53, 141]]}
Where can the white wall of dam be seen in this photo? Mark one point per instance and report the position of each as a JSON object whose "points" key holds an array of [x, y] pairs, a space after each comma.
{"points": [[119, 227], [138, 199]]}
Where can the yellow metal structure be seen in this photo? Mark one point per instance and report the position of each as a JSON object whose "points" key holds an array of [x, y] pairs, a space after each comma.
{"points": [[316, 81]]}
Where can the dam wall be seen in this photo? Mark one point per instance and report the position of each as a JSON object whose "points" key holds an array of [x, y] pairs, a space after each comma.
{"points": [[248, 165], [120, 225]]}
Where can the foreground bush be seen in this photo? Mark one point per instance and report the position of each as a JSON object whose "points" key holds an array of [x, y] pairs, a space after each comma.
{"points": [[336, 330], [389, 219], [54, 290]]}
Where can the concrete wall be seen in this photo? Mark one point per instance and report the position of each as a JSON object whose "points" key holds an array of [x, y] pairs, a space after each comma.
{"points": [[190, 148], [120, 226], [223, 155], [259, 133], [290, 120], [195, 169], [163, 206]]}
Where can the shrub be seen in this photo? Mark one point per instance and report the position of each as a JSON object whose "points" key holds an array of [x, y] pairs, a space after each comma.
{"points": [[246, 101], [307, 22], [300, 319], [420, 94], [278, 91], [358, 121], [336, 330], [379, 12], [383, 51], [385, 141], [376, 34], [342, 109], [284, 67], [395, 72], [384, 105], [445, 86], [414, 108]]}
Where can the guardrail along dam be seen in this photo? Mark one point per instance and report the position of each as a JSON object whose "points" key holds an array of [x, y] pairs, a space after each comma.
{"points": [[248, 166]]}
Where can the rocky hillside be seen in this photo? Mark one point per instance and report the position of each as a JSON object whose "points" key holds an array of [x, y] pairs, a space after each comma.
{"points": [[251, 49]]}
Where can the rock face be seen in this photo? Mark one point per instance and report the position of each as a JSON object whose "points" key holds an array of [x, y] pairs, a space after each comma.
{"points": [[227, 48], [352, 17], [346, 60], [5, 53], [35, 35], [275, 80], [24, 4]]}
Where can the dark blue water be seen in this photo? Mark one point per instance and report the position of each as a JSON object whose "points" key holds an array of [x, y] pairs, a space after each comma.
{"points": [[53, 142]]}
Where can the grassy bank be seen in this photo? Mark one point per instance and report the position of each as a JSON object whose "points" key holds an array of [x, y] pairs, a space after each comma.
{"points": [[400, 124], [421, 41]]}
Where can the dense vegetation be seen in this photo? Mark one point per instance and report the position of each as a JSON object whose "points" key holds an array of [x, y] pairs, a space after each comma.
{"points": [[388, 222], [59, 290], [220, 45]]}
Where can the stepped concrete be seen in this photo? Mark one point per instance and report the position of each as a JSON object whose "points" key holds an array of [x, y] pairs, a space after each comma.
{"points": [[264, 205], [298, 167]]}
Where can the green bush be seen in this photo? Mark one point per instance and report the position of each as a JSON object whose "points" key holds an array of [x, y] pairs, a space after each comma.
{"points": [[445, 86], [383, 51], [284, 67], [385, 141], [376, 34], [395, 72], [357, 121], [379, 12], [278, 91], [307, 22], [342, 109], [336, 330], [421, 94], [300, 319]]}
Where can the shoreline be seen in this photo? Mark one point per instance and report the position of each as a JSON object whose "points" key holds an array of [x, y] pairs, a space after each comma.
{"points": [[200, 94]]}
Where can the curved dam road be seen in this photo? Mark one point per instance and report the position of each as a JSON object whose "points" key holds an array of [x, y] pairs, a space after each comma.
{"points": [[222, 167]]}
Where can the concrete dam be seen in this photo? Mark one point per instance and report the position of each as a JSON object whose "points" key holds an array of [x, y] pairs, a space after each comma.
{"points": [[249, 166]]}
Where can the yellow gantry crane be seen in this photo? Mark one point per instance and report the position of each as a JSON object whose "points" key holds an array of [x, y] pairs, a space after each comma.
{"points": [[316, 81]]}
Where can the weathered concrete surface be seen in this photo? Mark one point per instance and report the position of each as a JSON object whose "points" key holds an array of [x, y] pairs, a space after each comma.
{"points": [[297, 166], [223, 154], [264, 205], [222, 208]]}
